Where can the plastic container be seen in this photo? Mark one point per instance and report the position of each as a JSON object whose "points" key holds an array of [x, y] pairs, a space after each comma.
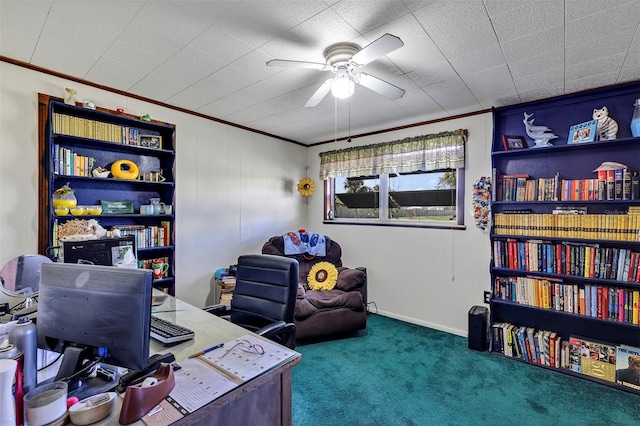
{"points": [[635, 120], [46, 404], [7, 403]]}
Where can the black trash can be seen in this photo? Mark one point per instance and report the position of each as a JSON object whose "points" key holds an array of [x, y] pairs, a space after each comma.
{"points": [[478, 328]]}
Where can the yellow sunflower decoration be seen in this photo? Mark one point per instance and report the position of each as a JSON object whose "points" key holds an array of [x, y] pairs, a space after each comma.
{"points": [[306, 187], [322, 276]]}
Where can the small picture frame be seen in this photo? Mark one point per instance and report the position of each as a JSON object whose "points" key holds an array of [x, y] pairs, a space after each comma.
{"points": [[583, 132], [512, 142], [150, 141]]}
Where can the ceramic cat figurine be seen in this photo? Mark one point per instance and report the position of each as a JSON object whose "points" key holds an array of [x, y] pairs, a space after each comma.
{"points": [[607, 127]]}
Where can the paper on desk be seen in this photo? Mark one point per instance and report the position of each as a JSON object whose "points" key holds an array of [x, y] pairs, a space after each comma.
{"points": [[164, 414], [197, 384], [208, 377], [245, 365]]}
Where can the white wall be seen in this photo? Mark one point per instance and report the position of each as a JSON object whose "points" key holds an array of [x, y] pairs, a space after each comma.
{"points": [[425, 276], [237, 188], [234, 188]]}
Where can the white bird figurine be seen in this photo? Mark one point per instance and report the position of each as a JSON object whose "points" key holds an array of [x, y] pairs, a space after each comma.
{"points": [[540, 134]]}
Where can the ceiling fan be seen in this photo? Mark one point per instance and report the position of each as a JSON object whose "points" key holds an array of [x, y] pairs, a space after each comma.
{"points": [[343, 59]]}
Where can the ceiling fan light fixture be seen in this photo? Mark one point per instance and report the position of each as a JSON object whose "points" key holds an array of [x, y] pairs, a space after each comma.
{"points": [[342, 87]]}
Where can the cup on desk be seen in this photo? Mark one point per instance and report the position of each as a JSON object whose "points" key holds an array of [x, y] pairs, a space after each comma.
{"points": [[46, 404], [159, 269]]}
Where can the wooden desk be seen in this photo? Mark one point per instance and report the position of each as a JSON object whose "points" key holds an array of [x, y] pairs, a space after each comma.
{"points": [[264, 400]]}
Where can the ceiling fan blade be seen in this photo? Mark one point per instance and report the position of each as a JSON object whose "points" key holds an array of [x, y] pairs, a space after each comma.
{"points": [[387, 90], [380, 47], [298, 64], [319, 94]]}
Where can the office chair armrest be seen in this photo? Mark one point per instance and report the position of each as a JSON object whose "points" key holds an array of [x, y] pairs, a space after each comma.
{"points": [[270, 329], [281, 332], [218, 310]]}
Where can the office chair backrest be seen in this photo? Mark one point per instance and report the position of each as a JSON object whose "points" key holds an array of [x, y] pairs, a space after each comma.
{"points": [[265, 292]]}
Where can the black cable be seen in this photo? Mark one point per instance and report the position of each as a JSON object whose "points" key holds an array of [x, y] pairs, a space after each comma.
{"points": [[83, 370], [51, 363]]}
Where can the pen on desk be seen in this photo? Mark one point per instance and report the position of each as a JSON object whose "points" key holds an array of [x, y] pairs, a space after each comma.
{"points": [[204, 351]]}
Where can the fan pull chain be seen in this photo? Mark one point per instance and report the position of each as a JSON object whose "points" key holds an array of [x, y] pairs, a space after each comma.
{"points": [[349, 134], [335, 119]]}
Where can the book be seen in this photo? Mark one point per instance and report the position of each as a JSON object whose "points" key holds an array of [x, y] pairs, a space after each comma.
{"points": [[635, 186], [610, 185], [626, 374], [617, 184], [597, 359], [602, 184], [575, 349], [626, 184]]}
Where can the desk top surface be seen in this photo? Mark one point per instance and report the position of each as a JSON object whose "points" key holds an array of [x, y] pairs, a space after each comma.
{"points": [[209, 330]]}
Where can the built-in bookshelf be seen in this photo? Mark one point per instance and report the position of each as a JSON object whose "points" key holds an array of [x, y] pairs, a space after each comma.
{"points": [[565, 239], [78, 147]]}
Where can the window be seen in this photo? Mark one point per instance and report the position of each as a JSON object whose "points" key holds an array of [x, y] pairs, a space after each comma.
{"points": [[412, 182], [420, 198]]}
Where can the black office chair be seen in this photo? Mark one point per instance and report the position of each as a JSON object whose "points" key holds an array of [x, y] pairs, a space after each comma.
{"points": [[264, 298]]}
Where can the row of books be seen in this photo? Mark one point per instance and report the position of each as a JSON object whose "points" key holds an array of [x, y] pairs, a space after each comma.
{"points": [[595, 301], [620, 184], [618, 227], [528, 344], [92, 129], [227, 285], [567, 258], [67, 162], [600, 360], [148, 236]]}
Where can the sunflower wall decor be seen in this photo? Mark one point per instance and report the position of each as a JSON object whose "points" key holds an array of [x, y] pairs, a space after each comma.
{"points": [[322, 276], [306, 187]]}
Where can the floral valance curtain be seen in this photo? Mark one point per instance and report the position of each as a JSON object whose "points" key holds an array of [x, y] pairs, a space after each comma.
{"points": [[422, 153]]}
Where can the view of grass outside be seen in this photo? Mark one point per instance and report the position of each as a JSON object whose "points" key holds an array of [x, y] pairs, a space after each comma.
{"points": [[415, 197]]}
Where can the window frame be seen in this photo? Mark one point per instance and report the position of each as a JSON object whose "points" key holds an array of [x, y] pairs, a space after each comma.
{"points": [[383, 207]]}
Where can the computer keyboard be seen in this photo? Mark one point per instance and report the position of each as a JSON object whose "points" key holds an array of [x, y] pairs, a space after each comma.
{"points": [[167, 332]]}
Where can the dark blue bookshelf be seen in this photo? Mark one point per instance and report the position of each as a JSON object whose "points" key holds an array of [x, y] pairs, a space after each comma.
{"points": [[569, 161], [105, 149]]}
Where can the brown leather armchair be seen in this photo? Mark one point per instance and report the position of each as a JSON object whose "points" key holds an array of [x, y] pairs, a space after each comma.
{"points": [[321, 313]]}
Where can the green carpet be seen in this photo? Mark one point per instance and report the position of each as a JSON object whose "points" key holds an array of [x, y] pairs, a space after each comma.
{"points": [[398, 373]]}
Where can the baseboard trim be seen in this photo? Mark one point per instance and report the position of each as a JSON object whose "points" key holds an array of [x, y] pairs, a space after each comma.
{"points": [[461, 333]]}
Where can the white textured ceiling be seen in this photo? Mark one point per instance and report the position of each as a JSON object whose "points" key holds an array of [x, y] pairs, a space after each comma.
{"points": [[210, 56]]}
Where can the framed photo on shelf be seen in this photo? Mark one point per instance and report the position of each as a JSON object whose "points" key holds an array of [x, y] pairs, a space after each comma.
{"points": [[513, 142], [583, 132], [150, 141]]}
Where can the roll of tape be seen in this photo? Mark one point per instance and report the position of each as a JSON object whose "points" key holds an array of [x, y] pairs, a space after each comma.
{"points": [[148, 382]]}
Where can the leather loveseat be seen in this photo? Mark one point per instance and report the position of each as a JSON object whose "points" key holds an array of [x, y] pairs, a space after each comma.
{"points": [[321, 313]]}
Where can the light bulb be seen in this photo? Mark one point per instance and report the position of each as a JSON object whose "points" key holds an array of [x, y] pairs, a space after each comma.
{"points": [[342, 87]]}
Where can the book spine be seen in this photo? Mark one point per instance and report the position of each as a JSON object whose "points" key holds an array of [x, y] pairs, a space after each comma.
{"points": [[617, 184], [610, 185]]}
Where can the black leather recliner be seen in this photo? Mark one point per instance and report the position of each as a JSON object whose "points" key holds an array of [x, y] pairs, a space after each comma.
{"points": [[324, 313]]}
